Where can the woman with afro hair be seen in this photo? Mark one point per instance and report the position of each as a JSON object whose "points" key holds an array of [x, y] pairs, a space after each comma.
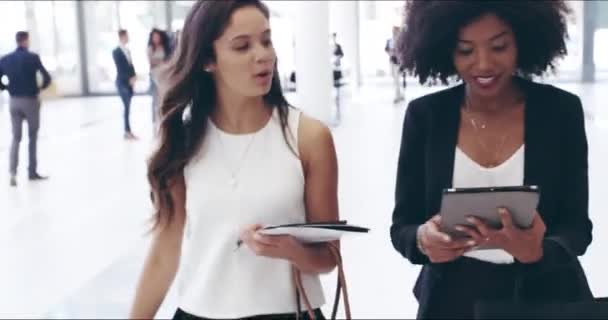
{"points": [[495, 127]]}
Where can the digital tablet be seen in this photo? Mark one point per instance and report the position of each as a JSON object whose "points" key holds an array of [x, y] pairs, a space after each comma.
{"points": [[458, 204]]}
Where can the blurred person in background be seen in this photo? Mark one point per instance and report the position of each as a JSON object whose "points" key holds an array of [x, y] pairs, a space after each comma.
{"points": [[159, 51], [21, 68], [337, 55], [125, 79], [396, 73]]}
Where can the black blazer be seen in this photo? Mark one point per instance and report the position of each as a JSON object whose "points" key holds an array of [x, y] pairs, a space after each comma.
{"points": [[124, 69], [555, 160]]}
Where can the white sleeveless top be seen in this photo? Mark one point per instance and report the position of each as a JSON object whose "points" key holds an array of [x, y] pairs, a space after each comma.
{"points": [[217, 280], [469, 174]]}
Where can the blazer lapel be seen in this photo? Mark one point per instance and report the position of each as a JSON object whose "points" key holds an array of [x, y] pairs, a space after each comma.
{"points": [[533, 123], [444, 138]]}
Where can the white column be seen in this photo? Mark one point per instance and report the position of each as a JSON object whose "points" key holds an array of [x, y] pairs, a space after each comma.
{"points": [[344, 20], [368, 9], [32, 26], [312, 59]]}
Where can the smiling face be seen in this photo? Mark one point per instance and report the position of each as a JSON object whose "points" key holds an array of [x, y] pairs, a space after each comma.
{"points": [[486, 56], [245, 56]]}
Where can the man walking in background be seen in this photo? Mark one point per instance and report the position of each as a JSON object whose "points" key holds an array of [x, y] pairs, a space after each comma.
{"points": [[21, 67], [125, 79], [337, 54]]}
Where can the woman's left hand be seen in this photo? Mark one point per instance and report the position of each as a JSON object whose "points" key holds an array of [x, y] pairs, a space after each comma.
{"points": [[525, 245]]}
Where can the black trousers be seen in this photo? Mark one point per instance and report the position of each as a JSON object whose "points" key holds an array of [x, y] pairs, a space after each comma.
{"points": [[467, 282], [182, 315]]}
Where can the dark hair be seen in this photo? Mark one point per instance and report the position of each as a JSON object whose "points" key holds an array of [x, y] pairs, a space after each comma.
{"points": [[21, 36], [165, 42], [427, 44], [121, 33], [191, 91]]}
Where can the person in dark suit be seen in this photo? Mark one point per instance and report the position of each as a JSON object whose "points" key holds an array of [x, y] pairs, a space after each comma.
{"points": [[21, 67], [125, 78], [337, 55], [495, 128]]}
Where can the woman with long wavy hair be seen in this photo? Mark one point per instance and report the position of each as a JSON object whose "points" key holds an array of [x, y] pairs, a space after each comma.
{"points": [[233, 156]]}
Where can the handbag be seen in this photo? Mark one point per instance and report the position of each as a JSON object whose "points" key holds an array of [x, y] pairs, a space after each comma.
{"points": [[340, 288]]}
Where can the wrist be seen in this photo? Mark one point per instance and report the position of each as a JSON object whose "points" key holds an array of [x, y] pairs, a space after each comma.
{"points": [[538, 254], [312, 259], [297, 254], [419, 243], [534, 256]]}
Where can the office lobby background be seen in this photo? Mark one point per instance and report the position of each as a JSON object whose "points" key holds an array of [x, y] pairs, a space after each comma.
{"points": [[73, 247], [73, 38]]}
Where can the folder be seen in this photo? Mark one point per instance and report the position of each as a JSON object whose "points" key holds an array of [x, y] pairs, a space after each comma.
{"points": [[316, 231]]}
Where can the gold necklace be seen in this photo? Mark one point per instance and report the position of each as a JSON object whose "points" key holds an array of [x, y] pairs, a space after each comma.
{"points": [[478, 128], [234, 172]]}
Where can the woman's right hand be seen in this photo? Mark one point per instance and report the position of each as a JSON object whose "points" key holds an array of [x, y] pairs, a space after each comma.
{"points": [[439, 246]]}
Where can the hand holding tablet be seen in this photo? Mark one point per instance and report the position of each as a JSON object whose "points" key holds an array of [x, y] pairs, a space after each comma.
{"points": [[458, 205], [503, 217]]}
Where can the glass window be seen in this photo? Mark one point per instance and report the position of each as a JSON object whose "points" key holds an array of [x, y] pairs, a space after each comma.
{"points": [[12, 15], [104, 19], [376, 23], [101, 38], [138, 18], [58, 50], [600, 53], [54, 35], [180, 10], [281, 22], [569, 67], [600, 46]]}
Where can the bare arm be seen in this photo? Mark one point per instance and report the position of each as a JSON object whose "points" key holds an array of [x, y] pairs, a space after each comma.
{"points": [[162, 262], [318, 156]]}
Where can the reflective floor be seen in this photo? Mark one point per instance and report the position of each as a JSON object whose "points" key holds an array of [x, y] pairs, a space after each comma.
{"points": [[72, 247]]}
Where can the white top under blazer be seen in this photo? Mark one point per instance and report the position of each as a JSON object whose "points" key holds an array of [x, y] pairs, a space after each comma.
{"points": [[469, 174]]}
